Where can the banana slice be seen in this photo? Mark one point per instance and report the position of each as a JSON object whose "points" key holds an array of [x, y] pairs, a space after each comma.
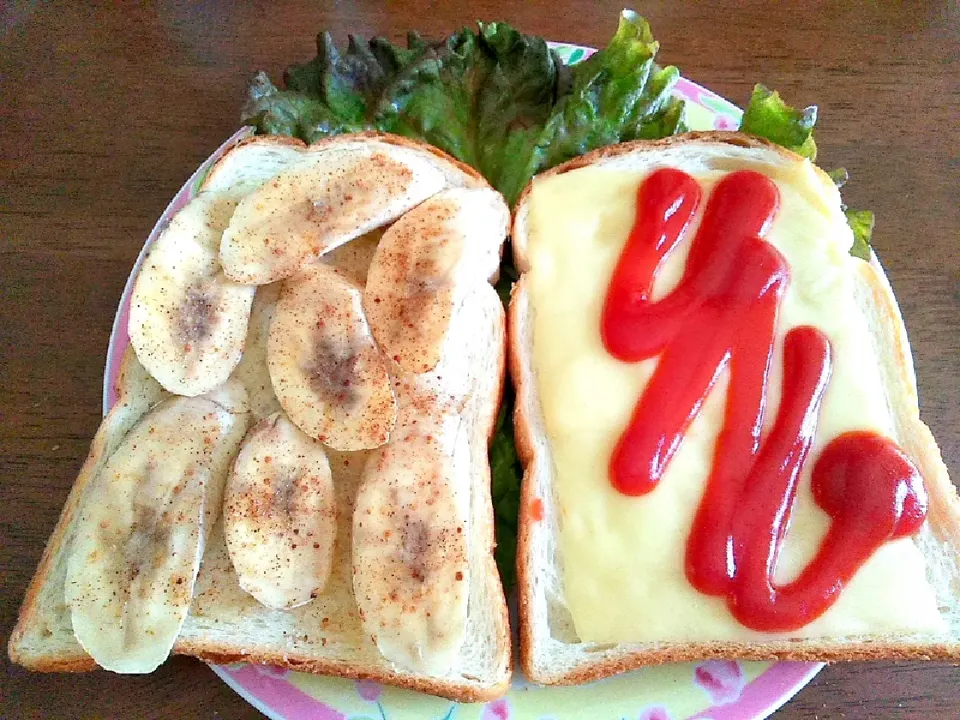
{"points": [[142, 529], [280, 515], [187, 320], [424, 267], [321, 203], [327, 372], [353, 258], [252, 369], [410, 555]]}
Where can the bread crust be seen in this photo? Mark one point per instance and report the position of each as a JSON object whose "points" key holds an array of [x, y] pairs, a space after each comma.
{"points": [[914, 436], [524, 440], [30, 606], [774, 651], [130, 385], [518, 237], [450, 689], [399, 141], [475, 179]]}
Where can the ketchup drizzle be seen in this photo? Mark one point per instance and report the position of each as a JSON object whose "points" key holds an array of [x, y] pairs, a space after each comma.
{"points": [[724, 313]]}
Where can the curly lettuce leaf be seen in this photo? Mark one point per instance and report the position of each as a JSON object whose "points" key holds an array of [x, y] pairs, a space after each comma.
{"points": [[508, 276], [492, 97], [483, 98], [333, 93], [433, 98], [351, 84], [840, 176], [617, 94], [287, 112], [505, 473], [768, 116], [514, 106], [861, 222]]}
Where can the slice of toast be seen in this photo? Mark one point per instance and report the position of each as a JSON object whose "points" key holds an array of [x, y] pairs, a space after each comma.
{"points": [[550, 650], [325, 636]]}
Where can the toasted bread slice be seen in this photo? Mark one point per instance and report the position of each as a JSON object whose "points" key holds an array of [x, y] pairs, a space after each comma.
{"points": [[325, 636], [550, 650]]}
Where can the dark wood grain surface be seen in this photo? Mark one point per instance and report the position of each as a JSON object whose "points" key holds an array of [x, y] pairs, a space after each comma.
{"points": [[107, 110]]}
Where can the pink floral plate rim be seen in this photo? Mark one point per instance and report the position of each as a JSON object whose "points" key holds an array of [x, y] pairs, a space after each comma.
{"points": [[269, 690]]}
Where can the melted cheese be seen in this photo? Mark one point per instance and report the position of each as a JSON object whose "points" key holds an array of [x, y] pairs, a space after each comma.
{"points": [[622, 557]]}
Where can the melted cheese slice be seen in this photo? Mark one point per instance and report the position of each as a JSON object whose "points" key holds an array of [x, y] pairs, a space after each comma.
{"points": [[623, 557]]}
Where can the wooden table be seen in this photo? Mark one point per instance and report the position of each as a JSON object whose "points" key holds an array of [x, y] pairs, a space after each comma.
{"points": [[105, 112]]}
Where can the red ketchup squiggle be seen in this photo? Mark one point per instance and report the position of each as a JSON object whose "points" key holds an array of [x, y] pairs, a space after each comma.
{"points": [[723, 313]]}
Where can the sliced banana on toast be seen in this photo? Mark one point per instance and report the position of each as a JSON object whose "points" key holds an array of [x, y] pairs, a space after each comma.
{"points": [[327, 372], [188, 320], [144, 523], [335, 196], [411, 572], [425, 265], [280, 515], [249, 308], [252, 369]]}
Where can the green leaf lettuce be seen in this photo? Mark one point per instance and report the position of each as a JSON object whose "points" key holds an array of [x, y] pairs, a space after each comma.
{"points": [[492, 97], [770, 117], [505, 473], [861, 223]]}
